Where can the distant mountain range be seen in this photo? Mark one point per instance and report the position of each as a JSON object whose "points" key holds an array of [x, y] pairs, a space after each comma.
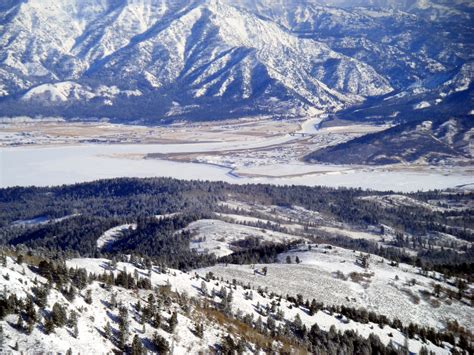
{"points": [[154, 61]]}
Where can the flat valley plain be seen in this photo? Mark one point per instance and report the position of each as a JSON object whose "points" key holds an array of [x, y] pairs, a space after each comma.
{"points": [[249, 150]]}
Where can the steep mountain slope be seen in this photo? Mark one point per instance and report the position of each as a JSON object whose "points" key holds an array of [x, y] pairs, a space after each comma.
{"points": [[403, 46], [433, 142], [205, 59], [200, 51]]}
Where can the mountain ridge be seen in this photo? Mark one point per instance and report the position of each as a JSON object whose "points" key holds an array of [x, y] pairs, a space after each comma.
{"points": [[158, 59]]}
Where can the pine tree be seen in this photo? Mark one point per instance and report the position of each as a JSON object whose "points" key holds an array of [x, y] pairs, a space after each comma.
{"points": [[71, 293], [461, 285], [406, 346], [297, 322], [271, 325], [314, 307], [161, 345], [30, 310], [280, 315], [30, 325], [113, 263], [20, 324], [123, 327], [173, 322], [137, 346], [58, 315], [72, 320], [199, 330], [204, 288], [259, 324], [108, 331], [423, 351], [48, 325], [113, 300], [41, 295], [88, 297], [156, 321], [463, 342], [20, 259]]}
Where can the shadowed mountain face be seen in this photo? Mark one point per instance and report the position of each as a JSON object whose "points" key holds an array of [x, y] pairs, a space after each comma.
{"points": [[423, 142], [155, 60]]}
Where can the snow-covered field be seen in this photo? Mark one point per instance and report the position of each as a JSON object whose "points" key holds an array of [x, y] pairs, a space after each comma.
{"points": [[25, 166], [385, 291]]}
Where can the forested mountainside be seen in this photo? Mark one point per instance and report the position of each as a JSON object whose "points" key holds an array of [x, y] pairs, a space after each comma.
{"points": [[158, 60], [422, 142], [156, 212]]}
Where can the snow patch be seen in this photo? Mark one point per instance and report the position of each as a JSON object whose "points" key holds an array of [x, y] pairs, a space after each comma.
{"points": [[112, 235]]}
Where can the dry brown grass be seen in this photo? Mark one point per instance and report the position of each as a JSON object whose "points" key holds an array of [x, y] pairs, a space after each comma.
{"points": [[205, 312], [27, 259], [244, 331]]}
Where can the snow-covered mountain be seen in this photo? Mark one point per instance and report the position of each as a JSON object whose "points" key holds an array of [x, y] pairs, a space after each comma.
{"points": [[158, 59], [426, 142]]}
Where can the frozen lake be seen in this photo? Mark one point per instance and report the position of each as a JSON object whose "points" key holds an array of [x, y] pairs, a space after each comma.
{"points": [[44, 166]]}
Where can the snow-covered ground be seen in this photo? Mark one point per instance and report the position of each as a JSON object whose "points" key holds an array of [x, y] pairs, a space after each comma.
{"points": [[309, 126], [32, 221], [93, 317], [385, 291], [112, 234], [216, 236], [401, 200], [244, 219], [351, 234], [40, 220]]}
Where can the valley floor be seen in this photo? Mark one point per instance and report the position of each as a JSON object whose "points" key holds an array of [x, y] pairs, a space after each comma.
{"points": [[244, 151]]}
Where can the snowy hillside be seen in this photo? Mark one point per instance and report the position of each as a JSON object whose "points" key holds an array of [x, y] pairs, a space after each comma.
{"points": [[173, 311], [428, 142], [159, 59], [221, 238], [332, 275]]}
